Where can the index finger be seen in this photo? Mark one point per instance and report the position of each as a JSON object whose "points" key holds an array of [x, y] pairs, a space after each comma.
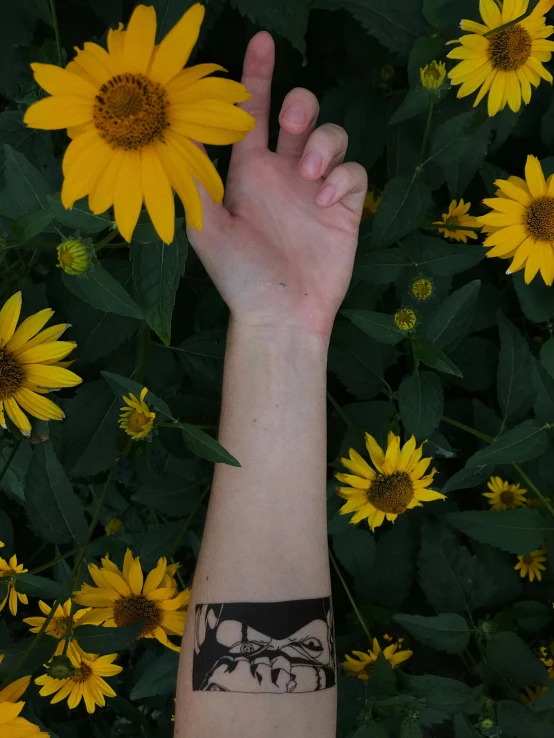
{"points": [[257, 75]]}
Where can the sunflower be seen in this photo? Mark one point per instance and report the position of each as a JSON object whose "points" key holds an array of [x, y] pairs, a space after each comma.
{"points": [[505, 496], [9, 569], [133, 113], [85, 682], [371, 204], [531, 565], [504, 63], [29, 365], [136, 419], [125, 597], [59, 624], [521, 226], [457, 216], [545, 655], [11, 725], [362, 665], [399, 483]]}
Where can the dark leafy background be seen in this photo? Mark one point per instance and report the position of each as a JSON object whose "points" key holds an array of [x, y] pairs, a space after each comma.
{"points": [[443, 577]]}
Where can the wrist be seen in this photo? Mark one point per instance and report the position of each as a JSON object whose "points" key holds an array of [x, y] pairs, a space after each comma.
{"points": [[282, 337]]}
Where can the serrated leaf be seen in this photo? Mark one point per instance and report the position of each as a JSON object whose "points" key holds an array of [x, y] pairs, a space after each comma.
{"points": [[203, 445], [536, 299], [97, 639], [516, 394], [516, 531], [379, 326], [405, 202], [159, 678], [27, 187], [452, 139], [288, 18], [416, 101], [100, 290], [432, 356], [512, 662], [421, 402], [123, 386], [36, 586], [40, 655], [452, 320], [54, 510], [447, 696], [79, 217], [447, 632], [532, 615], [410, 728], [522, 443], [518, 721], [393, 574], [157, 542], [381, 267], [27, 226], [544, 385], [355, 550], [437, 258], [463, 729], [467, 478]]}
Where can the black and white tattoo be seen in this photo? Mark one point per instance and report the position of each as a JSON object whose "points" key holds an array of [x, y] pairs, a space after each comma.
{"points": [[275, 647]]}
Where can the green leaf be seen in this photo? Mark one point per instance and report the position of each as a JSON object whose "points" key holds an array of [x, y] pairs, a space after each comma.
{"points": [[97, 639], [79, 217], [410, 728], [522, 443], [518, 721], [515, 531], [423, 51], [356, 552], [512, 662], [453, 139], [203, 445], [452, 320], [159, 678], [123, 386], [157, 271], [405, 202], [55, 512], [99, 289], [393, 575], [463, 729], [447, 632], [46, 589], [13, 482], [467, 478], [532, 615], [437, 258], [381, 267], [421, 403], [416, 101], [382, 680], [536, 299], [447, 696], [27, 226], [379, 326], [544, 385], [27, 187], [288, 18], [515, 392], [157, 542], [460, 172], [547, 356], [430, 355], [41, 654], [356, 360], [171, 497]]}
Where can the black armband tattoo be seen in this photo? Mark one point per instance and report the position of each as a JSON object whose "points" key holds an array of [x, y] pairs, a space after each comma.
{"points": [[275, 647]]}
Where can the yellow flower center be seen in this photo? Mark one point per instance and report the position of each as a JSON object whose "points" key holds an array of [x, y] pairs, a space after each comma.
{"points": [[528, 559], [82, 674], [433, 71], [405, 319], [510, 48], [452, 223], [539, 219], [422, 289], [507, 497], [11, 375], [131, 111], [391, 493], [132, 609], [137, 421]]}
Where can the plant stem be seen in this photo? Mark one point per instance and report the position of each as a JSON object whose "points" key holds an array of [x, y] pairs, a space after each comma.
{"points": [[507, 25], [340, 412], [55, 561], [188, 522], [105, 241], [427, 129], [359, 615], [468, 429], [56, 31], [9, 460], [142, 354]]}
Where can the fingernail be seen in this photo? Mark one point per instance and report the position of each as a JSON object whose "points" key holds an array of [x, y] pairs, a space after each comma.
{"points": [[294, 115], [326, 195], [311, 164]]}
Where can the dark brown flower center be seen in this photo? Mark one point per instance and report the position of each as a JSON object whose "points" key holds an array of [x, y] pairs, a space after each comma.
{"points": [[11, 375], [539, 219], [82, 674], [133, 609], [507, 497], [510, 48], [392, 493], [130, 111], [528, 559]]}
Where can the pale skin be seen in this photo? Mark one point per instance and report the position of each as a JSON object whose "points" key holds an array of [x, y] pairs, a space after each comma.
{"points": [[280, 250]]}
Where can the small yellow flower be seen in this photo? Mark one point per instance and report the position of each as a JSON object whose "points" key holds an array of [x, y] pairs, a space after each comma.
{"points": [[371, 204], [387, 73], [530, 565], [405, 319], [399, 484], [11, 725], [530, 694], [85, 682], [545, 656], [422, 288], [137, 420], [114, 526], [59, 624], [457, 216], [73, 257], [432, 75], [505, 496], [8, 569], [361, 666]]}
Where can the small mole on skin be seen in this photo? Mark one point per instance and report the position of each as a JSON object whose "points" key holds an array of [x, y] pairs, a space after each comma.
{"points": [[282, 284], [255, 421], [207, 578], [305, 294]]}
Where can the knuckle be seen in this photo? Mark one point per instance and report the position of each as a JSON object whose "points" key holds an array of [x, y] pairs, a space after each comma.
{"points": [[336, 133]]}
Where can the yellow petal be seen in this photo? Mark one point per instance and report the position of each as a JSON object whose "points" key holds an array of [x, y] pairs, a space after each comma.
{"points": [[21, 421], [9, 315], [177, 168], [139, 39], [47, 352], [186, 77], [102, 195], [206, 134], [94, 64], [375, 451], [58, 81], [490, 13], [158, 196], [174, 51], [84, 172], [534, 177], [58, 112], [213, 88], [38, 406], [51, 377], [213, 114], [15, 690], [136, 578], [128, 194]]}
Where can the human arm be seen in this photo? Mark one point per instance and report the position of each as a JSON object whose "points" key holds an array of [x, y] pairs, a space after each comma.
{"points": [[282, 261]]}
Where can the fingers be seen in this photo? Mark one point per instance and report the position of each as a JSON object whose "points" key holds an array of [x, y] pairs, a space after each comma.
{"points": [[297, 118], [259, 62], [324, 150], [346, 183]]}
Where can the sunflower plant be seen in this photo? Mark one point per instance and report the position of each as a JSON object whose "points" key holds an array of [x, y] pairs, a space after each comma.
{"points": [[441, 365]]}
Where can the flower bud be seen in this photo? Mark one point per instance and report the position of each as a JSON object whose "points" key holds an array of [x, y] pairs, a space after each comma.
{"points": [[74, 257], [60, 667], [432, 75]]}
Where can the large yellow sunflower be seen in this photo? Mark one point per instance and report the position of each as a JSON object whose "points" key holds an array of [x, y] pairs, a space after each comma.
{"points": [[521, 224], [11, 725], [399, 484], [125, 597], [362, 665], [133, 113], [29, 365], [59, 624], [85, 681], [504, 63]]}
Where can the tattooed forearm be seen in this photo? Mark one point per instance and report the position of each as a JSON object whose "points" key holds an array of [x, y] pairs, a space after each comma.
{"points": [[275, 647]]}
